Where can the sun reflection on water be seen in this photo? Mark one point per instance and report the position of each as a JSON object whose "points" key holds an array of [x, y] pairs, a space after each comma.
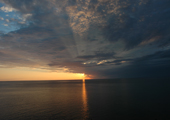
{"points": [[84, 97]]}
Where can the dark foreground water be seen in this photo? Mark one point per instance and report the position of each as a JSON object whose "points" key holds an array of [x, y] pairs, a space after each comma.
{"points": [[117, 99]]}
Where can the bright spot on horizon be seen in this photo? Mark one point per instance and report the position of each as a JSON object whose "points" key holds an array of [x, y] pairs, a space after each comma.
{"points": [[83, 77], [83, 74]]}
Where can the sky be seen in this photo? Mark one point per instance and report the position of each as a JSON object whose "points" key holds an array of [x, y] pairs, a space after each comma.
{"points": [[70, 39]]}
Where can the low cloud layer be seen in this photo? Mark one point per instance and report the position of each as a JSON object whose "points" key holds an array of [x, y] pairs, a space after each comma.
{"points": [[101, 38]]}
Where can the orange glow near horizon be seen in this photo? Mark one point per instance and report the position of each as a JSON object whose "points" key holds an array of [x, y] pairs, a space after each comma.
{"points": [[17, 74]]}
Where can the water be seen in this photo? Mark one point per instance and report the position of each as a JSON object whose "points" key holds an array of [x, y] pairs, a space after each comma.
{"points": [[117, 99]]}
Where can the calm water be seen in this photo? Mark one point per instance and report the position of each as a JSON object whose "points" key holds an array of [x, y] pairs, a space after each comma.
{"points": [[117, 99]]}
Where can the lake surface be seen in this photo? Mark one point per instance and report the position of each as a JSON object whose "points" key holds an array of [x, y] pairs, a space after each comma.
{"points": [[116, 99]]}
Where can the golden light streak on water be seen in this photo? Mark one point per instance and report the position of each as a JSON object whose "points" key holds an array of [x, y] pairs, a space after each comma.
{"points": [[84, 98]]}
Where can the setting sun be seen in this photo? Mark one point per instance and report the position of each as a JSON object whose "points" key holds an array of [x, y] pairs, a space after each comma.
{"points": [[82, 74]]}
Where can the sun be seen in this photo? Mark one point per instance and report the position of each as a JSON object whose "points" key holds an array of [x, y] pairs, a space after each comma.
{"points": [[81, 75]]}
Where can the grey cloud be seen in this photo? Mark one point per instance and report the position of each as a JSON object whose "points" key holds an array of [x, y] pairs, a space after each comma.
{"points": [[160, 56], [155, 65], [98, 55], [142, 71], [137, 23], [66, 34]]}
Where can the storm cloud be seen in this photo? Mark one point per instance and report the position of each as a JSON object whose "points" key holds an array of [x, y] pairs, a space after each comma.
{"points": [[101, 38]]}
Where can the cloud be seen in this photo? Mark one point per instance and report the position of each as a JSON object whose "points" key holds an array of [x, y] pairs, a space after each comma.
{"points": [[5, 24], [1, 18], [7, 9], [103, 38], [98, 55], [6, 20], [155, 65]]}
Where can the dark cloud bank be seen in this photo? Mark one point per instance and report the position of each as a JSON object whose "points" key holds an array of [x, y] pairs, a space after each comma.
{"points": [[102, 38]]}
